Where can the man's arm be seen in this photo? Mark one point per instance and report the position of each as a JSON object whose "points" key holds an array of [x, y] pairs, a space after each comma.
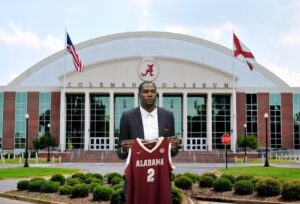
{"points": [[124, 135]]}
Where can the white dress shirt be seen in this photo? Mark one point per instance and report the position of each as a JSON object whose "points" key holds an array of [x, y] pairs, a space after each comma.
{"points": [[150, 124]]}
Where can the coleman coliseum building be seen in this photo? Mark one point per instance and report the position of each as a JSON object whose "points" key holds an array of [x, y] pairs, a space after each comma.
{"points": [[195, 81]]}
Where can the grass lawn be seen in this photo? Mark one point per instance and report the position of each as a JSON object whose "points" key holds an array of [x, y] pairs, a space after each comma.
{"points": [[275, 172], [260, 161], [21, 172], [30, 161]]}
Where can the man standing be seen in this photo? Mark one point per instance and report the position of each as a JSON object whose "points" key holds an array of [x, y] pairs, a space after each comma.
{"points": [[146, 122]]}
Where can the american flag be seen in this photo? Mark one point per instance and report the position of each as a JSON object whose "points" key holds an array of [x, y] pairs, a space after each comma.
{"points": [[76, 60]]}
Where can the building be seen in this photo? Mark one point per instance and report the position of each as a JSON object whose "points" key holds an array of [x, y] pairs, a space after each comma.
{"points": [[195, 81]]}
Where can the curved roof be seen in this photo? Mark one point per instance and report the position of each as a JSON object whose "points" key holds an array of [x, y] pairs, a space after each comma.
{"points": [[147, 44]]}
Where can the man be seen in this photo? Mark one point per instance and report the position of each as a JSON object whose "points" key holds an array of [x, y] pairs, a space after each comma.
{"points": [[146, 122]]}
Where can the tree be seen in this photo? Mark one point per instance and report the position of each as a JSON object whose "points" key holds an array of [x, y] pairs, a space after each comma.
{"points": [[251, 142], [44, 141]]}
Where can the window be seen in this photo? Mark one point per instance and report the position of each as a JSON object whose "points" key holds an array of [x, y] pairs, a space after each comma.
{"points": [[296, 119], [1, 119], [20, 121], [275, 120], [44, 113], [251, 114]]}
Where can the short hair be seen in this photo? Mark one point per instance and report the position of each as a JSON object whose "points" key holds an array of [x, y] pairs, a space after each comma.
{"points": [[145, 82]]}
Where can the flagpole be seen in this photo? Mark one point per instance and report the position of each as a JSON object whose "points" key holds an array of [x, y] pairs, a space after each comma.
{"points": [[62, 105], [233, 147]]}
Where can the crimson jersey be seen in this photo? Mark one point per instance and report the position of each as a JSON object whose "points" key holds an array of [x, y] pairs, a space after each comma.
{"points": [[148, 173]]}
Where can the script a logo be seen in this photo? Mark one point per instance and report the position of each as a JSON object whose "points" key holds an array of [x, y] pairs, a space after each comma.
{"points": [[148, 70]]}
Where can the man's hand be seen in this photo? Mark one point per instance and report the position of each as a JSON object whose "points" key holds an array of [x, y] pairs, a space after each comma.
{"points": [[126, 145], [174, 141]]}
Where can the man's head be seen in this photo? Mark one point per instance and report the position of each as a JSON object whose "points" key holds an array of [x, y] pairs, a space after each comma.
{"points": [[147, 93]]}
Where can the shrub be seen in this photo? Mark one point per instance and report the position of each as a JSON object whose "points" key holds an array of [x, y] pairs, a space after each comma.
{"points": [[81, 176], [116, 180], [183, 182], [110, 176], [50, 187], [268, 187], [244, 177], [80, 190], [222, 184], [23, 185], [65, 190], [37, 179], [173, 176], [93, 186], [210, 174], [206, 181], [117, 197], [73, 181], [35, 185], [251, 141], [58, 178], [177, 195], [118, 186], [98, 176], [93, 180], [291, 190], [230, 177], [194, 177], [102, 193], [243, 187]]}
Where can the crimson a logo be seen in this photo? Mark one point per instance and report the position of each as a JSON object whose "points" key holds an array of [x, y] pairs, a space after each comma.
{"points": [[148, 70]]}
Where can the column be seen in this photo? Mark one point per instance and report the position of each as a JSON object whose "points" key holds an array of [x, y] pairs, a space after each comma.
{"points": [[87, 121], [209, 121], [111, 121], [62, 138], [184, 112]]}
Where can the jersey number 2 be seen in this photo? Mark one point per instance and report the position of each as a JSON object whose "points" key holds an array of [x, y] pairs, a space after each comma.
{"points": [[150, 177]]}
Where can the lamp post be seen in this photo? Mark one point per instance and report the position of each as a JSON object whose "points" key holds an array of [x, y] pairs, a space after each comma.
{"points": [[245, 131], [48, 157], [26, 146], [267, 157]]}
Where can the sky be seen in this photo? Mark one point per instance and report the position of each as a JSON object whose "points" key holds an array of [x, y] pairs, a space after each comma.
{"points": [[32, 30]]}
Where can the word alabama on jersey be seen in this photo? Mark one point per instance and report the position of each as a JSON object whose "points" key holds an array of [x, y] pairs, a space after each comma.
{"points": [[148, 173]]}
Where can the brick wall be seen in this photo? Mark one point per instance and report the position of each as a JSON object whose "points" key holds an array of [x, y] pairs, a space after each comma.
{"points": [[33, 121], [55, 115], [9, 120], [287, 120], [240, 113], [263, 107]]}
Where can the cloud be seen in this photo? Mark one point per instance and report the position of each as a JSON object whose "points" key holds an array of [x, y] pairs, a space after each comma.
{"points": [[15, 35], [291, 38], [287, 74], [70, 9]]}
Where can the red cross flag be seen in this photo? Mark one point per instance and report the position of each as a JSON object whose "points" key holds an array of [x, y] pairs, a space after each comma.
{"points": [[242, 52]]}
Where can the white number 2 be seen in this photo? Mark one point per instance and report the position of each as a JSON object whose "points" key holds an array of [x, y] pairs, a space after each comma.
{"points": [[150, 177]]}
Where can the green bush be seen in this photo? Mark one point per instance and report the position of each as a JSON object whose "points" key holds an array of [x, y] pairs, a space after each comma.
{"points": [[80, 176], [268, 187], [80, 190], [206, 181], [93, 180], [98, 176], [194, 177], [23, 185], [210, 174], [102, 193], [291, 190], [73, 181], [110, 176], [229, 177], [118, 186], [93, 186], [177, 195], [65, 190], [251, 141], [36, 185], [222, 184], [117, 197], [173, 176], [183, 182], [50, 187], [243, 187], [116, 180], [244, 177], [37, 179], [59, 178]]}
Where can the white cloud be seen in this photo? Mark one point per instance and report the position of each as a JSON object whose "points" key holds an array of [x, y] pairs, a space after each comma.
{"points": [[143, 3], [70, 9], [291, 38], [15, 35]]}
